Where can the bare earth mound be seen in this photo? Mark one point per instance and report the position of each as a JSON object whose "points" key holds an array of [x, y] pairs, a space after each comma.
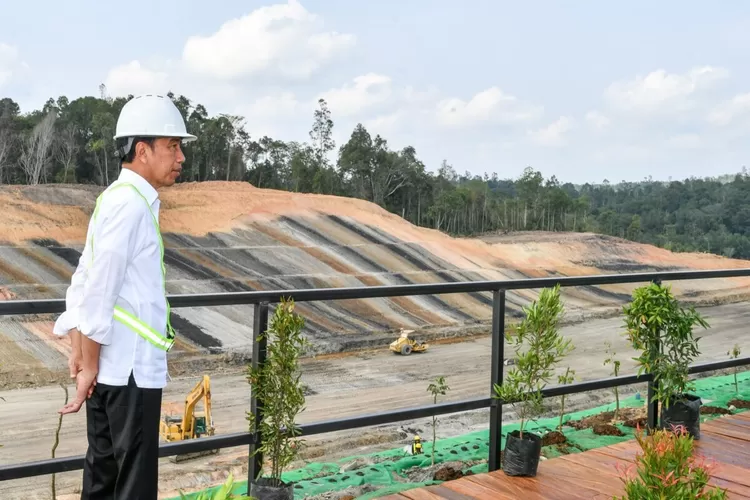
{"points": [[223, 236]]}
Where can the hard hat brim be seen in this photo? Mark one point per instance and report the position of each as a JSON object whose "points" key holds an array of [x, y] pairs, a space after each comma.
{"points": [[184, 137]]}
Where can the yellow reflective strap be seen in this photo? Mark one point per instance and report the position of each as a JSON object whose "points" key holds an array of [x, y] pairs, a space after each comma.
{"points": [[142, 329], [120, 314]]}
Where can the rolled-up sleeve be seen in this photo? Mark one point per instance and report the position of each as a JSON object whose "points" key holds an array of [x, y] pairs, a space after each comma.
{"points": [[114, 243], [69, 319]]}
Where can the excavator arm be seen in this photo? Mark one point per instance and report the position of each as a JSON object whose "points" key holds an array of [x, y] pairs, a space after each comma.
{"points": [[202, 390]]}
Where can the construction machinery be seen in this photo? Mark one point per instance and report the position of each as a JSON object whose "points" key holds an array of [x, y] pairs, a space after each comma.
{"points": [[404, 345], [190, 424]]}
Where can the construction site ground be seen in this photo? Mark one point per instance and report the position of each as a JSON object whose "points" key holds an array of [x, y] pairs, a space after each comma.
{"points": [[339, 386]]}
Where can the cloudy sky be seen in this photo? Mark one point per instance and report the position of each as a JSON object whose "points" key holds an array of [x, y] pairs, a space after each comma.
{"points": [[584, 90]]}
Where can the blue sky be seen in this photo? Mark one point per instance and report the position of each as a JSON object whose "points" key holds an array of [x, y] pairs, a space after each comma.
{"points": [[584, 90]]}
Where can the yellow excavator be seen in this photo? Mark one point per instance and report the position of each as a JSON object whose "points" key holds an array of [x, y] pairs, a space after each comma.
{"points": [[189, 423]]}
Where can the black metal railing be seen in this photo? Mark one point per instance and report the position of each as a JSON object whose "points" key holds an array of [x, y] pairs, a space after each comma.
{"points": [[261, 300]]}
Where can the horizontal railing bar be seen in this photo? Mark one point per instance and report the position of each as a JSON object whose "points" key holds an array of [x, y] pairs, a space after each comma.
{"points": [[393, 416], [45, 306], [718, 365], [72, 463], [67, 464]]}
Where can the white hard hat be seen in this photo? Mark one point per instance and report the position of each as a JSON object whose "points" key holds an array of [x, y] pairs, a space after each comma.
{"points": [[151, 116]]}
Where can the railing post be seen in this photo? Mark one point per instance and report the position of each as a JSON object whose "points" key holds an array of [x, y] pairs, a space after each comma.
{"points": [[496, 377], [260, 324], [653, 407]]}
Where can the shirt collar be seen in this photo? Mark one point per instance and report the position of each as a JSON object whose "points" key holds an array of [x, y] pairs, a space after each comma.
{"points": [[146, 189]]}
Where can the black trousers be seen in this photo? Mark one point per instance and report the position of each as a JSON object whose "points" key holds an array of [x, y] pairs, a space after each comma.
{"points": [[122, 460]]}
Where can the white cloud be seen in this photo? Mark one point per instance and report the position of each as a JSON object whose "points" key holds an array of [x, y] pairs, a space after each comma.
{"points": [[488, 106], [275, 105], [554, 133], [597, 120], [726, 112], [382, 123], [685, 141], [10, 63], [282, 40], [660, 91], [133, 78], [366, 92]]}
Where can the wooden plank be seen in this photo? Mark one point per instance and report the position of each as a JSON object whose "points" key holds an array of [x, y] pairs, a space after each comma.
{"points": [[474, 489], [723, 449], [395, 496], [594, 473], [578, 477], [728, 429], [600, 464], [448, 494], [505, 488], [735, 490], [420, 494], [622, 453], [740, 424], [734, 473], [738, 419]]}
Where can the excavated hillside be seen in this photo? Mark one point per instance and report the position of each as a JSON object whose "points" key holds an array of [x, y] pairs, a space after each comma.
{"points": [[222, 236]]}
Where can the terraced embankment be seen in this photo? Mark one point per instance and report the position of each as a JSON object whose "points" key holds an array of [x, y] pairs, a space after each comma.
{"points": [[231, 236]]}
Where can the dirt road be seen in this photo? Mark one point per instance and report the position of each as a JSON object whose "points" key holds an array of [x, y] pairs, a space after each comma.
{"points": [[342, 386]]}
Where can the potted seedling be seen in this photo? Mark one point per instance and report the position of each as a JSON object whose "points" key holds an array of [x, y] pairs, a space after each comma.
{"points": [[734, 354], [522, 386], [436, 388], [277, 384], [662, 332], [567, 378], [615, 372]]}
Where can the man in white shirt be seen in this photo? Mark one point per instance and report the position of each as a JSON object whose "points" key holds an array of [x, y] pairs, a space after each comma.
{"points": [[117, 315]]}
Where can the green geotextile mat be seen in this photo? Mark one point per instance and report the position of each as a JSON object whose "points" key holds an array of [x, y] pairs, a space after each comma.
{"points": [[386, 469]]}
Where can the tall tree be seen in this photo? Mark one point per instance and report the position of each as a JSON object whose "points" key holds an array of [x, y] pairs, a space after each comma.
{"points": [[37, 149]]}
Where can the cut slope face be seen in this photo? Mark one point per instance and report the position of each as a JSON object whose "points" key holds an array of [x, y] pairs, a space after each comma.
{"points": [[223, 236]]}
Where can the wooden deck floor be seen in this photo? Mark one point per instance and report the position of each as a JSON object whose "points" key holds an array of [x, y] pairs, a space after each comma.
{"points": [[592, 474]]}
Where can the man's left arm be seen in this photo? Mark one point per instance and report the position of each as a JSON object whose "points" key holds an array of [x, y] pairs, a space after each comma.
{"points": [[114, 245]]}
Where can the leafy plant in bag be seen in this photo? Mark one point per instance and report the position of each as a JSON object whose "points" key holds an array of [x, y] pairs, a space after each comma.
{"points": [[663, 333], [277, 384], [545, 347]]}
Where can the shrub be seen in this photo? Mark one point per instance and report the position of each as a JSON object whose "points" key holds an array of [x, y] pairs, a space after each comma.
{"points": [[667, 469]]}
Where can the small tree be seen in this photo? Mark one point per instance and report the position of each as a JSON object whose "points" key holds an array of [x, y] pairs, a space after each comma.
{"points": [[436, 388], [567, 378], [734, 354], [663, 332], [540, 330], [277, 384], [615, 372]]}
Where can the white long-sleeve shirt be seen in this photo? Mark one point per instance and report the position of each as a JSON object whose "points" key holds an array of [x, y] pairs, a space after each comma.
{"points": [[126, 271]]}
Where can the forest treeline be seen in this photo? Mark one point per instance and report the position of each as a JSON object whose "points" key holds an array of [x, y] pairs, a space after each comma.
{"points": [[71, 142]]}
